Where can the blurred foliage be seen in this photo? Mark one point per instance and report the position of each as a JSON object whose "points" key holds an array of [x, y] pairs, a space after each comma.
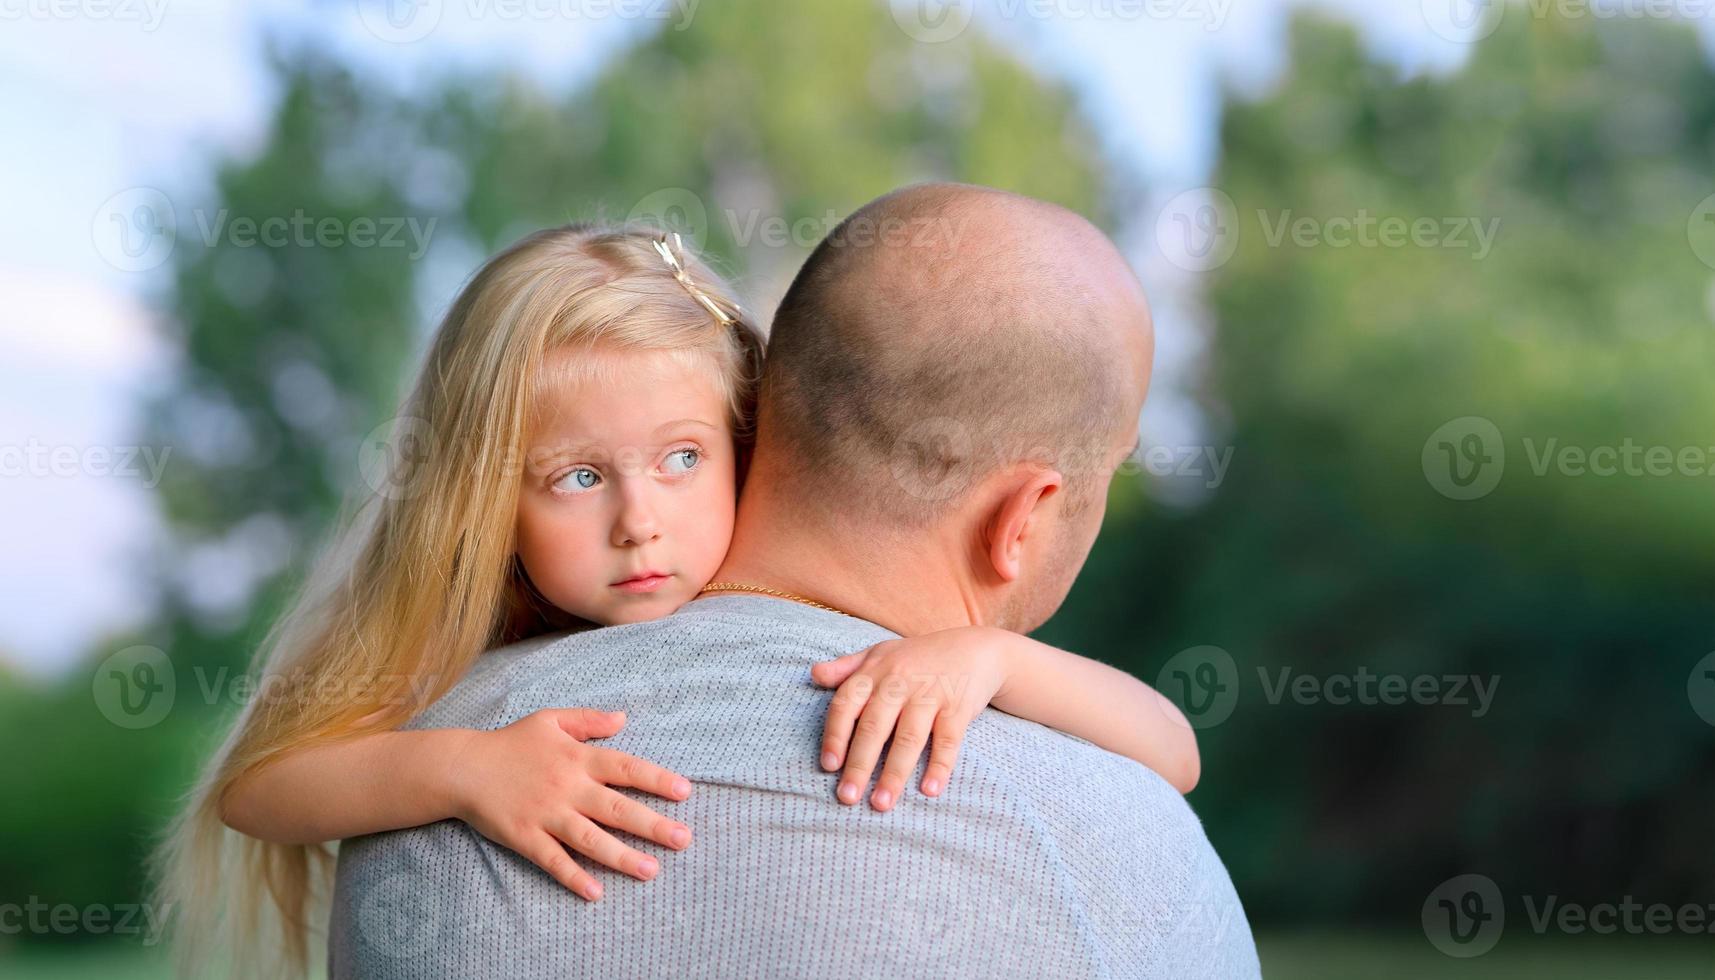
{"points": [[1324, 550], [1588, 598], [290, 354]]}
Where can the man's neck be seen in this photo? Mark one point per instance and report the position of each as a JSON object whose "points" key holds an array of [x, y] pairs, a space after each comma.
{"points": [[909, 591]]}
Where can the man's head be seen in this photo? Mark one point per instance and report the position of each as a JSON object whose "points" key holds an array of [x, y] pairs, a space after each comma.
{"points": [[959, 369]]}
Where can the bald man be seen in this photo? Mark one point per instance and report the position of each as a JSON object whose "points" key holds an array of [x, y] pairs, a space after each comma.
{"points": [[951, 381]]}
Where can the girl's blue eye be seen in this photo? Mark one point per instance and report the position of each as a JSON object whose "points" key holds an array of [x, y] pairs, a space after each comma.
{"points": [[681, 461], [578, 480]]}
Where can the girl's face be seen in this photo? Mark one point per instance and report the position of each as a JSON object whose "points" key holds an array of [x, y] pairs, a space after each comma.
{"points": [[629, 488]]}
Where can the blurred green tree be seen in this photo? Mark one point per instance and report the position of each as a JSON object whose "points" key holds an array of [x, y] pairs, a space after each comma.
{"points": [[1587, 146], [753, 128]]}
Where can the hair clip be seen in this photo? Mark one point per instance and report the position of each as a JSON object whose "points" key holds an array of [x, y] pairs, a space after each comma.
{"points": [[679, 273]]}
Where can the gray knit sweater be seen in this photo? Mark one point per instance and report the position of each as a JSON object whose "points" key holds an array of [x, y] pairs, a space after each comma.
{"points": [[1044, 857]]}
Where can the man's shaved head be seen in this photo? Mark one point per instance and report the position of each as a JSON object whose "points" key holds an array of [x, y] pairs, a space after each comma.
{"points": [[943, 332]]}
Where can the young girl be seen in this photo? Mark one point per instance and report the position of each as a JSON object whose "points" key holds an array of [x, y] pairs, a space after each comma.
{"points": [[523, 512]]}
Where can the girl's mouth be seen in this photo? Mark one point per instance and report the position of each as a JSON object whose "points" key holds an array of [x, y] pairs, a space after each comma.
{"points": [[647, 582]]}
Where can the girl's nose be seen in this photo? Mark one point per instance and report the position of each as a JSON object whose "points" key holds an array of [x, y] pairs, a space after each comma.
{"points": [[636, 524]]}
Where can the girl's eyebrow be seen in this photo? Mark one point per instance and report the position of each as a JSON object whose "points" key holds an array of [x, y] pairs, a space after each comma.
{"points": [[676, 422], [586, 448]]}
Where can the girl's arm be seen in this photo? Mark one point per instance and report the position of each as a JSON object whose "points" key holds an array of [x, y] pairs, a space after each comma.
{"points": [[927, 690], [534, 786]]}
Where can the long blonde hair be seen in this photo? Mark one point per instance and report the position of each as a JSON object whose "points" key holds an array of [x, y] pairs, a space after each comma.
{"points": [[421, 577]]}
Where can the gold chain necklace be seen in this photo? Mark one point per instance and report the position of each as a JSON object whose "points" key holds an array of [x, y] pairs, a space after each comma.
{"points": [[741, 587]]}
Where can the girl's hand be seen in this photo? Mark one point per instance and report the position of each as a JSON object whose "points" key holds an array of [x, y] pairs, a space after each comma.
{"points": [[913, 689], [537, 788]]}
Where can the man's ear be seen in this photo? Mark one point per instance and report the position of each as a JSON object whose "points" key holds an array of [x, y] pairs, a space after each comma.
{"points": [[1017, 515]]}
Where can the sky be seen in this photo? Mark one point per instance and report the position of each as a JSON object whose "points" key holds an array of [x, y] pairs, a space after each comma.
{"points": [[106, 103]]}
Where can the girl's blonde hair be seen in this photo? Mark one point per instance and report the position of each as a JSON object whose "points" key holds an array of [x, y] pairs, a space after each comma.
{"points": [[421, 578]]}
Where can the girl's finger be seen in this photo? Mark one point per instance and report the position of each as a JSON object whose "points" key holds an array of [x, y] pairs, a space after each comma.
{"points": [[944, 751], [583, 836], [833, 673], [621, 812], [618, 769], [915, 724], [873, 727], [547, 853], [582, 723], [843, 713]]}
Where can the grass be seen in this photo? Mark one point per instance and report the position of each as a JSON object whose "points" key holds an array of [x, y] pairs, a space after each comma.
{"points": [[1290, 956]]}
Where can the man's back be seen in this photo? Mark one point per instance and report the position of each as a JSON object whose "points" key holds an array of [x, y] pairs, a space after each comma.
{"points": [[1045, 856]]}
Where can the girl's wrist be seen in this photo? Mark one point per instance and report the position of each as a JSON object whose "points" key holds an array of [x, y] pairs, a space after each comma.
{"points": [[1014, 654], [443, 771]]}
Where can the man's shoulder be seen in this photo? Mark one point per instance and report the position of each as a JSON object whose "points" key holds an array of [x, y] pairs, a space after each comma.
{"points": [[746, 642]]}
